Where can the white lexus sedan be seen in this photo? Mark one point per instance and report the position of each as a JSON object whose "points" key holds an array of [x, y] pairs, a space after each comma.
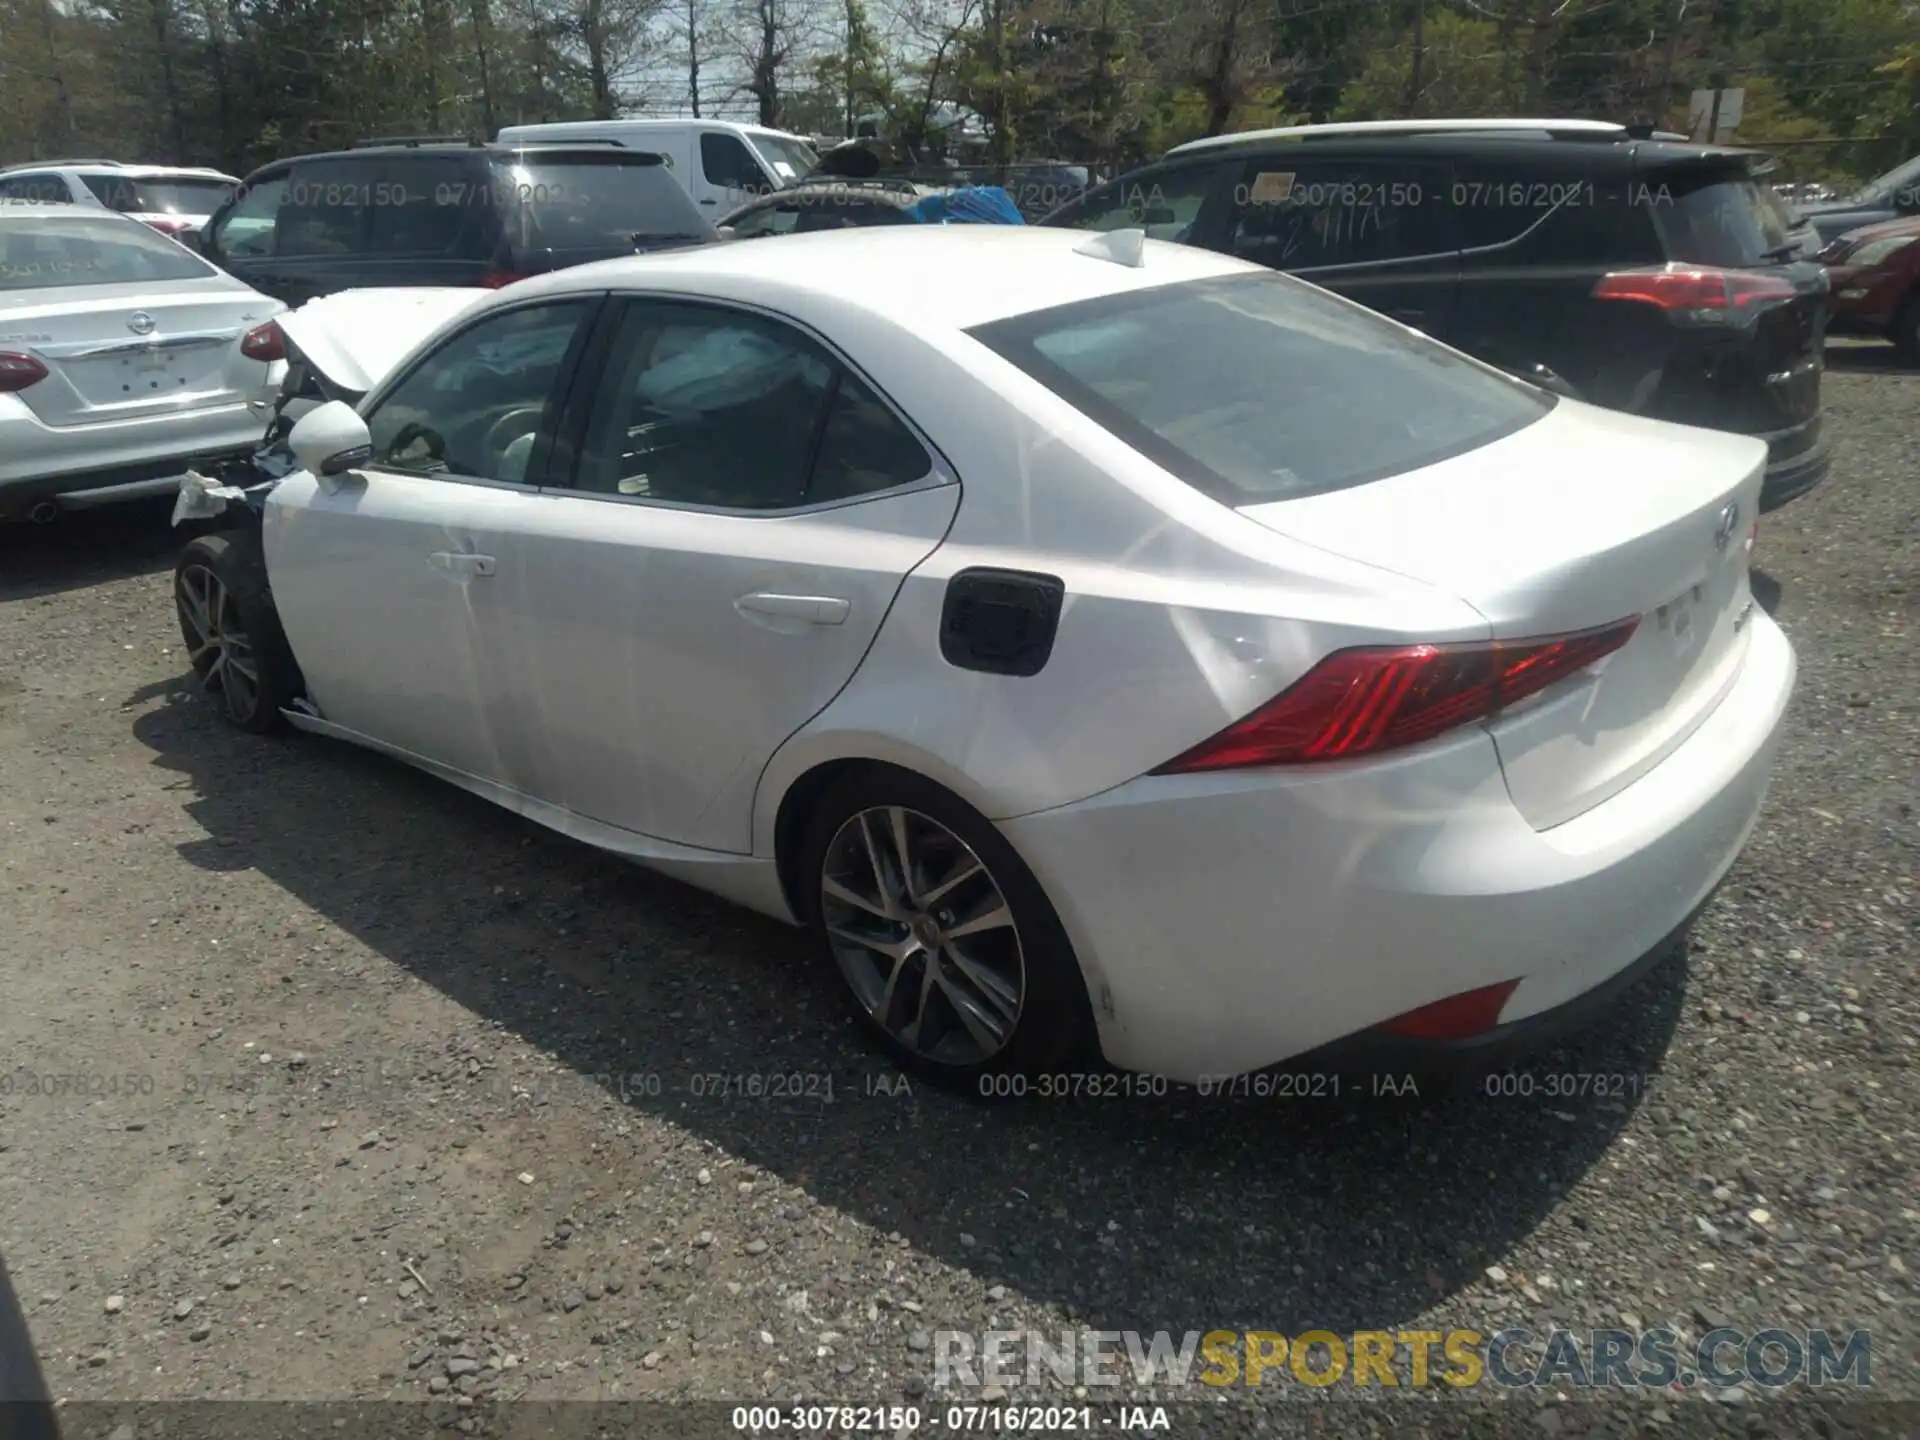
{"points": [[124, 359], [1103, 647]]}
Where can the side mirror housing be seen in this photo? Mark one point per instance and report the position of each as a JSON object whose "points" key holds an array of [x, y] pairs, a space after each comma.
{"points": [[725, 232], [331, 439]]}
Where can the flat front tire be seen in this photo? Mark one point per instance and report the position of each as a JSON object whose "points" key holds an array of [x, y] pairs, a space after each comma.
{"points": [[946, 947], [232, 632]]}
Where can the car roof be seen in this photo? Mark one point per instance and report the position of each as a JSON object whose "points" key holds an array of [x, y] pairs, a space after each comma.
{"points": [[1390, 129], [118, 167], [920, 277], [156, 172], [580, 144]]}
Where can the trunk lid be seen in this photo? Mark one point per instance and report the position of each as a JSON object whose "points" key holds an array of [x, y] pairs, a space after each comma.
{"points": [[118, 352], [1582, 519], [354, 338]]}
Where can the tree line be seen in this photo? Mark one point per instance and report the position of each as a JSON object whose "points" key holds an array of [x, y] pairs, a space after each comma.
{"points": [[234, 83]]}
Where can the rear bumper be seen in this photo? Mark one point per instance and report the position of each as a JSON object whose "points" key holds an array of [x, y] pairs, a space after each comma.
{"points": [[1794, 465], [129, 457], [1375, 1052], [1227, 923]]}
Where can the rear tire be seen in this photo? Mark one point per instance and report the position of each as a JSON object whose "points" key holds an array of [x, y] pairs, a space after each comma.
{"points": [[1905, 333], [955, 960], [232, 631]]}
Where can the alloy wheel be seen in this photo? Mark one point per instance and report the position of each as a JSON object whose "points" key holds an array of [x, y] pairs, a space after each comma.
{"points": [[217, 641], [923, 934]]}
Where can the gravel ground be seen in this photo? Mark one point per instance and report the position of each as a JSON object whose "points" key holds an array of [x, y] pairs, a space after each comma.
{"points": [[385, 1093]]}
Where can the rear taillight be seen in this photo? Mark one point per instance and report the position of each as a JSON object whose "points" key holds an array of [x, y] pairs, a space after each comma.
{"points": [[1684, 288], [500, 279], [18, 371], [170, 227], [1361, 702], [265, 343], [1473, 1012]]}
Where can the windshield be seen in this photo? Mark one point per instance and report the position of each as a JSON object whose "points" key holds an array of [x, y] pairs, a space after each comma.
{"points": [[1723, 222], [786, 157], [595, 201], [1883, 190], [159, 196], [1245, 386], [43, 251]]}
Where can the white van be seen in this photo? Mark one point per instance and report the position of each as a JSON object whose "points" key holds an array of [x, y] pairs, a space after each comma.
{"points": [[721, 163]]}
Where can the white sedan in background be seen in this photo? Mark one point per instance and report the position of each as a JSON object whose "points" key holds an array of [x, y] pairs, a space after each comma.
{"points": [[124, 359], [1101, 646]]}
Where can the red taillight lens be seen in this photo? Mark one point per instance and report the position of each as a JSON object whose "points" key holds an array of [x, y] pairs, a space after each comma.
{"points": [[1457, 1017], [265, 343], [18, 371], [170, 227], [1360, 702], [500, 279], [1690, 287]]}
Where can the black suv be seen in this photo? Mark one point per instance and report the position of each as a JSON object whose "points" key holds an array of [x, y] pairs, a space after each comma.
{"points": [[1639, 274], [445, 213]]}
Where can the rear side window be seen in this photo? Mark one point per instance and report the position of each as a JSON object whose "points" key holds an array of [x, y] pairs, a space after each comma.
{"points": [[610, 202], [1716, 219], [412, 209], [1297, 213], [70, 250], [323, 210], [1549, 218], [35, 190], [1245, 386]]}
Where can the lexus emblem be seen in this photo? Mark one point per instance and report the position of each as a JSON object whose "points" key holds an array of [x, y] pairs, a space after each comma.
{"points": [[1729, 522], [140, 323]]}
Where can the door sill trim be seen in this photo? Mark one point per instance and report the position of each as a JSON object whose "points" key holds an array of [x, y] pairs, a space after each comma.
{"points": [[749, 880]]}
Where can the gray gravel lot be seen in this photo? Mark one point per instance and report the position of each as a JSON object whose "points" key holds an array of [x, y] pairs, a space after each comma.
{"points": [[384, 1093]]}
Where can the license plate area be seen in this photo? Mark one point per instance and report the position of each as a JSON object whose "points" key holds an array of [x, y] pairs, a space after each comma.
{"points": [[1682, 620]]}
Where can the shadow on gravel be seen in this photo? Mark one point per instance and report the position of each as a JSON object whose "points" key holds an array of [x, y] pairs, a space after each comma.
{"points": [[1135, 1212], [87, 547], [1766, 590], [26, 1408], [1868, 359]]}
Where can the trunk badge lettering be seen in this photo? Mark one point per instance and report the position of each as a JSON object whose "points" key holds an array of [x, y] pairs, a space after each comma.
{"points": [[1729, 522], [140, 323]]}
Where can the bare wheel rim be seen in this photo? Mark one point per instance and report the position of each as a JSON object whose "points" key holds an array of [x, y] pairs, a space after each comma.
{"points": [[923, 934], [217, 642]]}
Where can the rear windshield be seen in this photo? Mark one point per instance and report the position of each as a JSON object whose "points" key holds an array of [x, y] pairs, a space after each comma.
{"points": [[1721, 221], [149, 196], [595, 202], [1261, 387], [43, 251]]}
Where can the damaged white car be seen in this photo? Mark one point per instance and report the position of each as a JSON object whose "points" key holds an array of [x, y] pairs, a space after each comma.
{"points": [[1105, 648]]}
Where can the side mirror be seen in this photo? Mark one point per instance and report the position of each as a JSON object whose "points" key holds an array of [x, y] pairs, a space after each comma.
{"points": [[331, 439], [725, 232]]}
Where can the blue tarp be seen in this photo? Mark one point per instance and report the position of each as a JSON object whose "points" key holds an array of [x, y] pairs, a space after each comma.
{"points": [[969, 205]]}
